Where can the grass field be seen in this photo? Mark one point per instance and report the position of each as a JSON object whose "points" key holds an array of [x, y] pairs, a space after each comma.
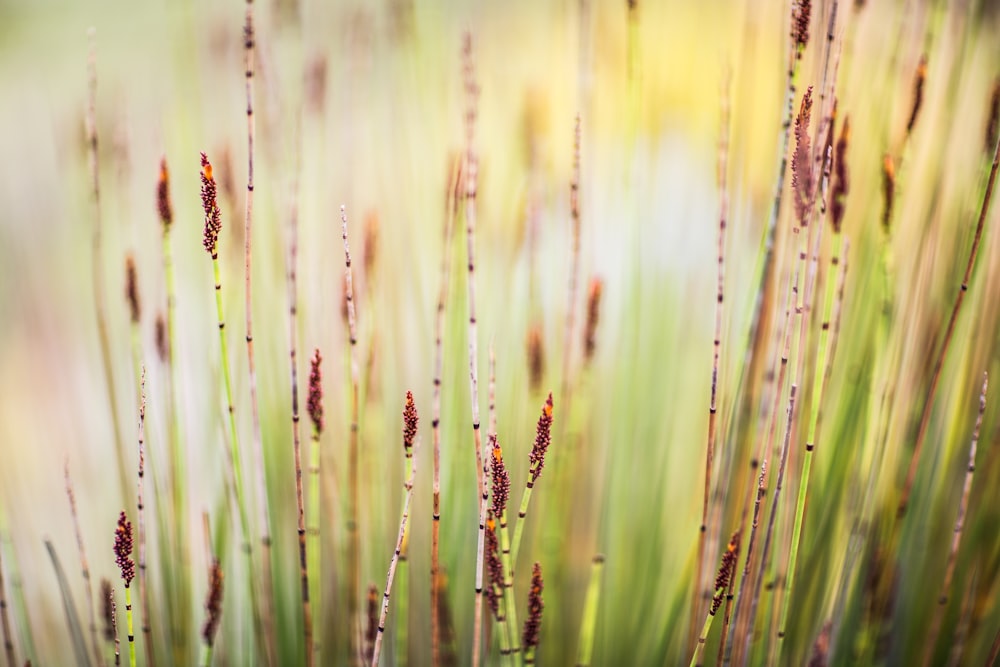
{"points": [[747, 249]]}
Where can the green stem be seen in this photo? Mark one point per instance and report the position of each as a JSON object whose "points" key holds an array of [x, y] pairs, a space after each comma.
{"points": [[702, 638], [508, 591], [522, 512], [403, 594], [313, 534], [816, 399], [131, 634], [589, 623], [206, 655]]}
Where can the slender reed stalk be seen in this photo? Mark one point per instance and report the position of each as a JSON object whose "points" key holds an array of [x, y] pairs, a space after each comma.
{"points": [[213, 225], [409, 434], [354, 547], [213, 609], [727, 637], [114, 626], [588, 626], [313, 523], [574, 270], [494, 587], [536, 461], [143, 584], [84, 566], [452, 194], [925, 417], [533, 624], [307, 623], [964, 621], [97, 265], [123, 558], [721, 168], [768, 536], [167, 341], [956, 536], [500, 489], [403, 596], [249, 48], [470, 170], [8, 642], [822, 361], [723, 582]]}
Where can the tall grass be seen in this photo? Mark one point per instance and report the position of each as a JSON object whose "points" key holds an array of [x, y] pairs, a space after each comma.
{"points": [[826, 510]]}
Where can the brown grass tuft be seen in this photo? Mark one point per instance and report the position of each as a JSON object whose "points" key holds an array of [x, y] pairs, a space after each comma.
{"points": [[803, 180], [213, 603], [841, 176], [163, 206], [918, 93], [132, 289], [888, 189], [123, 549], [210, 203]]}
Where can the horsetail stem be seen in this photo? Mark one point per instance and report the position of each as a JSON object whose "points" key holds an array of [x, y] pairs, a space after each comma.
{"points": [[536, 461], [84, 566], [123, 558], [588, 625], [409, 433]]}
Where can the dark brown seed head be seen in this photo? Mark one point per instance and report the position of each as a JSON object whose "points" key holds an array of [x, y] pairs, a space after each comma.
{"points": [[918, 93], [888, 189], [841, 180], [372, 630], [210, 203], [501, 479], [132, 289], [123, 549], [162, 338], [543, 438], [536, 357], [821, 649], [213, 603], [533, 625], [993, 118], [316, 84], [410, 420], [494, 566], [163, 195], [802, 162], [800, 24], [107, 596], [726, 570], [593, 317], [315, 402], [370, 256]]}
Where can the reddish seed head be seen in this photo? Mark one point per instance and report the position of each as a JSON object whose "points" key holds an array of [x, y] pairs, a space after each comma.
{"points": [[315, 402], [593, 317], [533, 626], [107, 595], [802, 161], [536, 356], [132, 289], [213, 603], [209, 202], [993, 118], [841, 180], [800, 18], [888, 188], [918, 93], [543, 438], [372, 630], [494, 567], [123, 549], [410, 420], [162, 341], [500, 478], [163, 195], [726, 570]]}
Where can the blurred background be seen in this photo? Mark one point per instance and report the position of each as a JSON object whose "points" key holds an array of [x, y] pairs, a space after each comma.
{"points": [[362, 104]]}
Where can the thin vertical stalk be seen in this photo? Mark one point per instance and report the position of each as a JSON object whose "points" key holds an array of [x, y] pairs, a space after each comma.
{"points": [[313, 519], [123, 559], [403, 597], [8, 642], [721, 167], [956, 536], [471, 170], [451, 211], [574, 270], [543, 436], [723, 588], [249, 47], [354, 547], [143, 584], [768, 536], [588, 626], [179, 594], [114, 626], [84, 566], [395, 560], [925, 417], [97, 265], [213, 225]]}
